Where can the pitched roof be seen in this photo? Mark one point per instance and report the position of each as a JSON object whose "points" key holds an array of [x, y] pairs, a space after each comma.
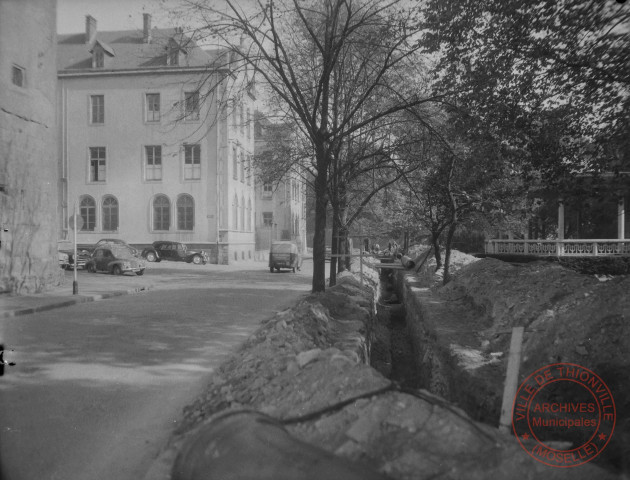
{"points": [[131, 52]]}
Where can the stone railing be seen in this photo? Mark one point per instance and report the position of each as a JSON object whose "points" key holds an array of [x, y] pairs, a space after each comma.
{"points": [[572, 247]]}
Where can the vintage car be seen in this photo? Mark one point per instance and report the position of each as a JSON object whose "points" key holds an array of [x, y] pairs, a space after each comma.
{"points": [[66, 247], [176, 251], [115, 259], [284, 255], [115, 241]]}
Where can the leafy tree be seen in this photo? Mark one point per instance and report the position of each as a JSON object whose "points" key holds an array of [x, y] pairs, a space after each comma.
{"points": [[548, 79]]}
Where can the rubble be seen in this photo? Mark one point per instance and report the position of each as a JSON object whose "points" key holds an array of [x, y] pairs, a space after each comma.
{"points": [[308, 369]]}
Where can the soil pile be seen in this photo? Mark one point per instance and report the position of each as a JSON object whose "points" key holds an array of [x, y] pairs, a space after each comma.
{"points": [[307, 368], [568, 317]]}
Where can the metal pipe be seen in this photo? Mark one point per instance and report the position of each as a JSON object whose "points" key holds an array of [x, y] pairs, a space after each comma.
{"points": [[407, 262]]}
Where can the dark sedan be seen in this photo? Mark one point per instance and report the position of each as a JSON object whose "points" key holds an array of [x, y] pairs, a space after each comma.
{"points": [[115, 259], [175, 251]]}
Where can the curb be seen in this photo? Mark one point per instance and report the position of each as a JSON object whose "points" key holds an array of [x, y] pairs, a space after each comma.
{"points": [[73, 301]]}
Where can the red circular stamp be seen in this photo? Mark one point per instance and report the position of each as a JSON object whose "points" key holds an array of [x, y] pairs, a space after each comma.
{"points": [[563, 415]]}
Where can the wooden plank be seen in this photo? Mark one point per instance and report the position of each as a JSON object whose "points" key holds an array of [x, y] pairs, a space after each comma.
{"points": [[511, 379]]}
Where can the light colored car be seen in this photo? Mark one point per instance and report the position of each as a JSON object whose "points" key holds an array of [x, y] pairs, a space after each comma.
{"points": [[115, 241], [64, 259], [66, 247], [115, 259], [284, 255]]}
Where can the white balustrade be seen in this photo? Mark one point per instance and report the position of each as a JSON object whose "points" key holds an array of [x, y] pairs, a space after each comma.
{"points": [[575, 247]]}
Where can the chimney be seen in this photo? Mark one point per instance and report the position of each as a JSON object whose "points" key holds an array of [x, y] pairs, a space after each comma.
{"points": [[90, 28], [146, 17]]}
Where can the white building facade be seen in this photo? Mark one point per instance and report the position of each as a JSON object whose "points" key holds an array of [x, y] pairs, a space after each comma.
{"points": [[149, 149], [280, 204]]}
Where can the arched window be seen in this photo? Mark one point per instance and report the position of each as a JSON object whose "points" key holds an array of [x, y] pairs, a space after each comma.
{"points": [[110, 214], [87, 210], [234, 164], [249, 214], [235, 212], [242, 213], [161, 213], [185, 212]]}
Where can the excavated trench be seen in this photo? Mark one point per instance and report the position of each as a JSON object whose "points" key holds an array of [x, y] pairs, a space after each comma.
{"points": [[392, 350]]}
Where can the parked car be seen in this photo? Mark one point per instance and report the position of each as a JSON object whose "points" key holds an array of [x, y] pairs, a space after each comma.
{"points": [[67, 247], [284, 255], [175, 251], [115, 259], [115, 241], [64, 259]]}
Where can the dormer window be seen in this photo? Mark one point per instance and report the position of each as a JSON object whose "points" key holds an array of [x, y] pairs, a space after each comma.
{"points": [[173, 56], [101, 54], [176, 50], [99, 58]]}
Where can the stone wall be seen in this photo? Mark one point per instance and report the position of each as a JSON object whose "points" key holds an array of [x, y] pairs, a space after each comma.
{"points": [[28, 147]]}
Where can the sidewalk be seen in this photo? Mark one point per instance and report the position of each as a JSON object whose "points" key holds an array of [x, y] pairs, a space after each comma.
{"points": [[90, 288]]}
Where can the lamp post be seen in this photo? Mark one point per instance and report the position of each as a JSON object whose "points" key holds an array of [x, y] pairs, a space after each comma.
{"points": [[75, 223]]}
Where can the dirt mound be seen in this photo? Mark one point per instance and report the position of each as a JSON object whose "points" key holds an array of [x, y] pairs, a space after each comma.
{"points": [[425, 270], [569, 317]]}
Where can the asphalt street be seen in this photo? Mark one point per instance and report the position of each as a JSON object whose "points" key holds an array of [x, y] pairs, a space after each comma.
{"points": [[98, 387]]}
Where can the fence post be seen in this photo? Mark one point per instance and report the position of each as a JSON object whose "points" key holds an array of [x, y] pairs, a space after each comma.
{"points": [[511, 378]]}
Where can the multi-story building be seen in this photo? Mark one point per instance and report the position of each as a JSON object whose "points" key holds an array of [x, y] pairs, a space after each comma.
{"points": [[280, 204], [151, 148], [28, 138]]}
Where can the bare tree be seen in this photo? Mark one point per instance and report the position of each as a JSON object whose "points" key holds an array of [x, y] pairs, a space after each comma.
{"points": [[299, 49]]}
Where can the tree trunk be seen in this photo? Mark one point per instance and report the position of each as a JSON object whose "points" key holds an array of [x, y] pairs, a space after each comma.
{"points": [[343, 249], [319, 237], [334, 249], [447, 252], [435, 241]]}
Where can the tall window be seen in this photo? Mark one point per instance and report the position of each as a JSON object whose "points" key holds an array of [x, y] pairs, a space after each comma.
{"points": [[161, 213], [192, 162], [110, 214], [87, 210], [267, 190], [235, 212], [249, 123], [249, 214], [249, 169], [185, 212], [97, 109], [267, 219], [17, 76], [241, 117], [153, 107], [191, 105], [153, 165], [242, 162], [242, 223], [234, 163], [97, 164]]}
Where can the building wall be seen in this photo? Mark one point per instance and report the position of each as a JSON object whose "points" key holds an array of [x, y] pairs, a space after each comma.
{"points": [[236, 182], [125, 133], [28, 147], [288, 207]]}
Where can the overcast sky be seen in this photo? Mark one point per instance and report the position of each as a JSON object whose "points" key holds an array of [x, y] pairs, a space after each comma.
{"points": [[109, 14]]}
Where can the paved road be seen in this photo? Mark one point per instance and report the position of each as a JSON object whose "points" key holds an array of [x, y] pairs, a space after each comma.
{"points": [[98, 387]]}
